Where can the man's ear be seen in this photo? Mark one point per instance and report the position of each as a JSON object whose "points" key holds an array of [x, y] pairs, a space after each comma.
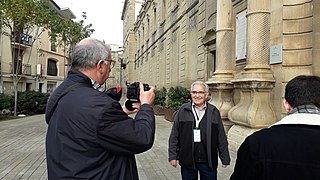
{"points": [[287, 106], [99, 64]]}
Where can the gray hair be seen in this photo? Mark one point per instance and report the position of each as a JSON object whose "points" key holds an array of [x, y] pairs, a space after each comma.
{"points": [[201, 83], [88, 52]]}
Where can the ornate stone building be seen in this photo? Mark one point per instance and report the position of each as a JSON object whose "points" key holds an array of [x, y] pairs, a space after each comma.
{"points": [[245, 50], [129, 15]]}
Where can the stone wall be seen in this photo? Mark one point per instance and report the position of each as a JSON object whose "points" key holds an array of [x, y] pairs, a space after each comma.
{"points": [[178, 42]]}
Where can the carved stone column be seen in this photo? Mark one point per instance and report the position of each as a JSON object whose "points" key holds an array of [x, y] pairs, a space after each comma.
{"points": [[220, 85], [256, 81]]}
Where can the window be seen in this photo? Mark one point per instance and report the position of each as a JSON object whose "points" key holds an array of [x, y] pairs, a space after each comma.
{"points": [[211, 63], [51, 87], [17, 58], [53, 45], [147, 44], [155, 18], [175, 4], [28, 86], [52, 68], [40, 87], [148, 30], [163, 10]]}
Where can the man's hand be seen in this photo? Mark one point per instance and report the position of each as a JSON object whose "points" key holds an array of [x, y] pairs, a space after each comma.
{"points": [[136, 107], [174, 163], [146, 97]]}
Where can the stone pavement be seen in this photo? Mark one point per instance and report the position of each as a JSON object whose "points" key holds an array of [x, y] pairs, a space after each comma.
{"points": [[22, 152]]}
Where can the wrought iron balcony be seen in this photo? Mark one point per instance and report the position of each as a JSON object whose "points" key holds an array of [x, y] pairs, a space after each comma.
{"points": [[21, 40], [25, 69]]}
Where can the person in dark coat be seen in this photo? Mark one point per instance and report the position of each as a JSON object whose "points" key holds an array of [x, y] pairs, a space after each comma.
{"points": [[90, 135], [288, 149], [198, 137]]}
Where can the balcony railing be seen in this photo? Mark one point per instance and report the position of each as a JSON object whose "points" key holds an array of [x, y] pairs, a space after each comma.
{"points": [[24, 40], [25, 70]]}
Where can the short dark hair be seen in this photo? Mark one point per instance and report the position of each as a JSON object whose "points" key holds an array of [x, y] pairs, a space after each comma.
{"points": [[303, 90]]}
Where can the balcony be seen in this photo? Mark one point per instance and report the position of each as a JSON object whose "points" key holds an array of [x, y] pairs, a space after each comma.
{"points": [[22, 40], [25, 69]]}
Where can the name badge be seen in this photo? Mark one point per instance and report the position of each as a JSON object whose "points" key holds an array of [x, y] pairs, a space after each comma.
{"points": [[196, 135]]}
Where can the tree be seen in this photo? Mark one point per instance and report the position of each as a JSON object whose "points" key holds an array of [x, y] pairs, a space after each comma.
{"points": [[70, 32], [24, 17]]}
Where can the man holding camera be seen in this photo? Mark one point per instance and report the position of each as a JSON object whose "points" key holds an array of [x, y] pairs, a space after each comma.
{"points": [[90, 136]]}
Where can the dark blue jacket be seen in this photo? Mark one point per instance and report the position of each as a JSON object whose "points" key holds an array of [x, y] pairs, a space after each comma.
{"points": [[90, 137]]}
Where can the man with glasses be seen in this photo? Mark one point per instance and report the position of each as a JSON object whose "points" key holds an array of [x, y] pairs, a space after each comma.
{"points": [[198, 137], [90, 136], [111, 62]]}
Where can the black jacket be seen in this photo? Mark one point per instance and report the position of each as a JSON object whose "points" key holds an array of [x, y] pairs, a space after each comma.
{"points": [[90, 137], [181, 145], [289, 150]]}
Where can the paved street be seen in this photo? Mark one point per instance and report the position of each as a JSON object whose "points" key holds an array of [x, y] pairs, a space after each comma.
{"points": [[22, 154]]}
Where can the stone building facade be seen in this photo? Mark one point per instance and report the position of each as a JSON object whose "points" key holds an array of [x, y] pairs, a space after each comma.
{"points": [[129, 15], [44, 63], [245, 50]]}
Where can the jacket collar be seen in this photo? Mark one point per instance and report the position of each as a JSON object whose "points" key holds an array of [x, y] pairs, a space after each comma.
{"points": [[309, 108], [204, 107], [300, 118], [189, 105], [77, 76]]}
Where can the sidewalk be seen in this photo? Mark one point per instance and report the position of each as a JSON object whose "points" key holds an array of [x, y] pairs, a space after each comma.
{"points": [[22, 152], [154, 165]]}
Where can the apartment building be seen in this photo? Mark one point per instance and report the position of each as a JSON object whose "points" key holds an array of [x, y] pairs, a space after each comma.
{"points": [[43, 64], [245, 50]]}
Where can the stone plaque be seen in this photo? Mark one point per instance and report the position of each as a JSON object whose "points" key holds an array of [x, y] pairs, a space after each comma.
{"points": [[276, 54]]}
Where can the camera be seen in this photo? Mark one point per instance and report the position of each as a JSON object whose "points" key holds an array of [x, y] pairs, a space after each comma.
{"points": [[133, 94], [115, 93]]}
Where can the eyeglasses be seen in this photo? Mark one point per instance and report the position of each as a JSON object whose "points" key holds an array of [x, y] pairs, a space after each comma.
{"points": [[198, 92], [111, 62]]}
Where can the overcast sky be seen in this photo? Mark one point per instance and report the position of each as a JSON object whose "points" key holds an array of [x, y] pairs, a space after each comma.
{"points": [[104, 15]]}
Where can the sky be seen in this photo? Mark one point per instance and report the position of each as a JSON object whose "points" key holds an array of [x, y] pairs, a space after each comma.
{"points": [[104, 15]]}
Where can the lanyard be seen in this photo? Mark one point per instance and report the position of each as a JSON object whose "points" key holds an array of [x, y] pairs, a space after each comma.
{"points": [[197, 118]]}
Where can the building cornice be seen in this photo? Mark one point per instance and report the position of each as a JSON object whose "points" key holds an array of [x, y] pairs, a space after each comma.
{"points": [[124, 9], [65, 13]]}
